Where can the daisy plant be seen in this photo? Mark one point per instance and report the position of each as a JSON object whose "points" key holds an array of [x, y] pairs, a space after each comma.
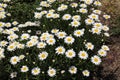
{"points": [[66, 41]]}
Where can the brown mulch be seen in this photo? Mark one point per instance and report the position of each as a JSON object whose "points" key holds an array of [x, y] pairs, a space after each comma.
{"points": [[110, 69]]}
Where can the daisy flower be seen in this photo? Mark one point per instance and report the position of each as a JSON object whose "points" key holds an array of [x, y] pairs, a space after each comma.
{"points": [[75, 23], [97, 25], [41, 45], [83, 10], [97, 3], [73, 70], [35, 71], [83, 55], [14, 23], [76, 17], [74, 5], [49, 15], [61, 35], [83, 5], [43, 55], [2, 24], [25, 36], [3, 43], [38, 15], [96, 30], [89, 46], [14, 60], [79, 33], [66, 17], [88, 1], [11, 47], [69, 40], [105, 28], [93, 16], [97, 11], [86, 73], [102, 52], [55, 31], [70, 53], [89, 21], [60, 50], [106, 16], [105, 47], [96, 60], [30, 44], [24, 68], [51, 72], [51, 41]]}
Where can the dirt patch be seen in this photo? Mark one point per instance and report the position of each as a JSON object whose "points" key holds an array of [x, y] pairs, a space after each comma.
{"points": [[110, 69]]}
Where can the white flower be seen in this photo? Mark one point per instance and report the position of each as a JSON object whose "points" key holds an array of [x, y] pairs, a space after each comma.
{"points": [[79, 33], [76, 17], [41, 45], [93, 16], [105, 28], [49, 15], [106, 16], [69, 40], [75, 23], [83, 55], [89, 46], [6, 0], [86, 73], [3, 43], [96, 30], [51, 1], [55, 31], [61, 35], [62, 7], [82, 10], [105, 47], [97, 3], [89, 21], [21, 46], [43, 55], [11, 47], [51, 41], [14, 60], [102, 52], [24, 68], [74, 5], [97, 25], [13, 75], [14, 23], [30, 44], [8, 24], [83, 5], [21, 57], [25, 36], [96, 60], [51, 72], [73, 70], [88, 1], [70, 53], [56, 15], [66, 17], [2, 24], [38, 15], [12, 37], [97, 11], [60, 50], [36, 71], [107, 34]]}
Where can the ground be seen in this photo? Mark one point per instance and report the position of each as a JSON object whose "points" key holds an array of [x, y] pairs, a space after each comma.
{"points": [[110, 68]]}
